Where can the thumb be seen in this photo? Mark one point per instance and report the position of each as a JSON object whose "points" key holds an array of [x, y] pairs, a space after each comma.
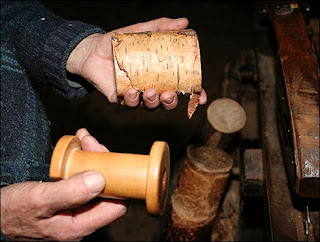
{"points": [[156, 25], [102, 77], [74, 191]]}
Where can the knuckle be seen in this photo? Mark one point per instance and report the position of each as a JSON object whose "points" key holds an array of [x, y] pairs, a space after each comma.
{"points": [[163, 19], [35, 201], [73, 193]]}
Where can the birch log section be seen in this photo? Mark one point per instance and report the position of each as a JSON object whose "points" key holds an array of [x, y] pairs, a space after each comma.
{"points": [[204, 176], [202, 181], [163, 60]]}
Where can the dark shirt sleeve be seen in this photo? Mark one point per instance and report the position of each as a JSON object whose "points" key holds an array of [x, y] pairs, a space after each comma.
{"points": [[42, 42]]}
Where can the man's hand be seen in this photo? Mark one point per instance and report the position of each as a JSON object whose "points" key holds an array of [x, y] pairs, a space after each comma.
{"points": [[63, 210], [93, 60]]}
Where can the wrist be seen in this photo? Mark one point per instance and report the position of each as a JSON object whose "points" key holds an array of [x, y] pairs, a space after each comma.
{"points": [[80, 53]]}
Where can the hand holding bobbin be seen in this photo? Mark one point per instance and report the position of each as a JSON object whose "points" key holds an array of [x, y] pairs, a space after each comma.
{"points": [[127, 175]]}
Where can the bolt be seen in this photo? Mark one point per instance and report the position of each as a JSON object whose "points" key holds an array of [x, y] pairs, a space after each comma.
{"points": [[284, 10]]}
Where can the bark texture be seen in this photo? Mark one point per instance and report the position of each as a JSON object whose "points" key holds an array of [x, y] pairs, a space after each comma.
{"points": [[203, 177], [163, 60]]}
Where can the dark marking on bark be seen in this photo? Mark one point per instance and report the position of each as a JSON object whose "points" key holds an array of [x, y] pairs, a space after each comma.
{"points": [[149, 33], [117, 41], [187, 32], [178, 77]]}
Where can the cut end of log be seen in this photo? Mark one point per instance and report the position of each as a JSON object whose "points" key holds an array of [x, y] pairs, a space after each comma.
{"points": [[211, 160], [226, 115], [192, 105]]}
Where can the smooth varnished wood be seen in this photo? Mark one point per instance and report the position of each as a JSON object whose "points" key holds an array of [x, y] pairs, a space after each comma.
{"points": [[127, 175]]}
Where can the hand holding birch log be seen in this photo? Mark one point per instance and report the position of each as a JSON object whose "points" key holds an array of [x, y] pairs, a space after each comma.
{"points": [[93, 60], [163, 60]]}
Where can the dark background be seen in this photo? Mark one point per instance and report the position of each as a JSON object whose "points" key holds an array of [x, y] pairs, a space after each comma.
{"points": [[223, 28]]}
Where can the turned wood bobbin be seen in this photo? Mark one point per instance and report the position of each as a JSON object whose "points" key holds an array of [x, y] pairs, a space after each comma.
{"points": [[127, 175]]}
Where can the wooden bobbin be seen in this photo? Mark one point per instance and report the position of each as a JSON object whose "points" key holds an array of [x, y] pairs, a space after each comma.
{"points": [[127, 175]]}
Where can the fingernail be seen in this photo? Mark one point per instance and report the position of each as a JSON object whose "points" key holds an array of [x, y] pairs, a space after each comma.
{"points": [[152, 98], [169, 100], [122, 208], [178, 19], [133, 95], [94, 181], [113, 98]]}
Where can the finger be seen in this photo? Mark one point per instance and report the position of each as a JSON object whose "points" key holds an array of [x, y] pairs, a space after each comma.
{"points": [[89, 143], [169, 100], [71, 192], [81, 133], [203, 97], [131, 97], [174, 24], [151, 98], [99, 215], [156, 25]]}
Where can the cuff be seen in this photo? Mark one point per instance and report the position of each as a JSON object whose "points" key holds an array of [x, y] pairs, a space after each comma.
{"points": [[56, 52]]}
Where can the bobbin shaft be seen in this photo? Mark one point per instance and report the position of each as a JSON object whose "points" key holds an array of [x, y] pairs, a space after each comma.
{"points": [[127, 175]]}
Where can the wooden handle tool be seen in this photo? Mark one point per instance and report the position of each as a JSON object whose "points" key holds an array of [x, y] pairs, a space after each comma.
{"points": [[127, 175]]}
